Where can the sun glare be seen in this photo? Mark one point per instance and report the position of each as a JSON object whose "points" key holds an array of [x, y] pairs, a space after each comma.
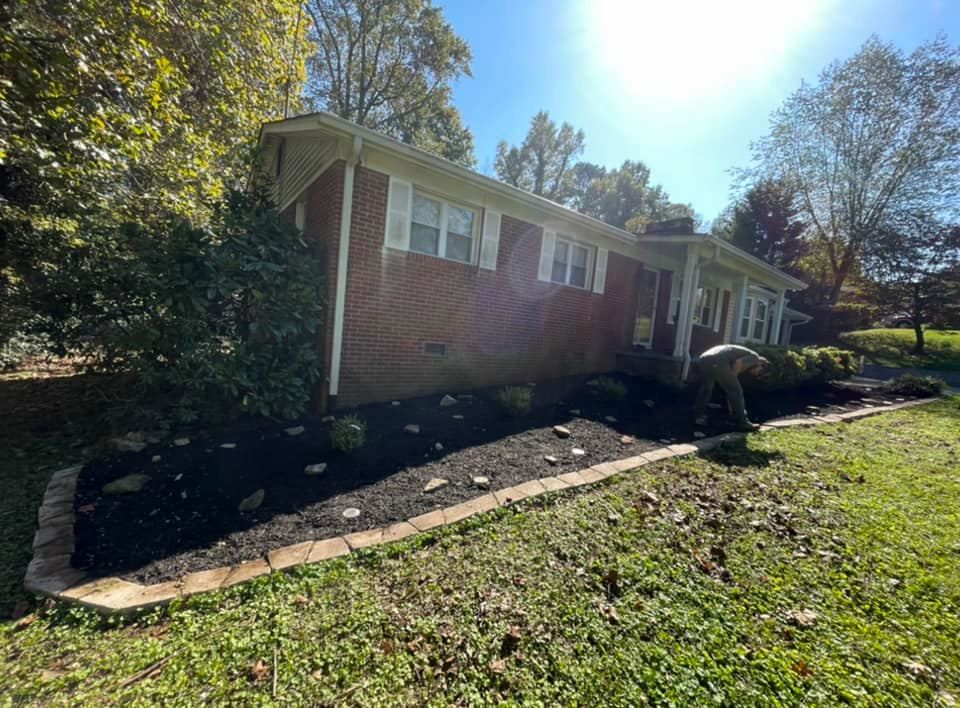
{"points": [[686, 50]]}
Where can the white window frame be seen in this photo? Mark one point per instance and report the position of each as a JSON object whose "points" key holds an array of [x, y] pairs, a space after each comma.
{"points": [[751, 318], [445, 205], [571, 244], [705, 293]]}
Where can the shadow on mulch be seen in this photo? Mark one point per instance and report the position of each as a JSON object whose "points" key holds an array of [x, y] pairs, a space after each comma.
{"points": [[186, 518]]}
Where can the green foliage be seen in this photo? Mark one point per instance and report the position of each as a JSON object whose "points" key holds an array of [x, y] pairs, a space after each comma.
{"points": [[602, 613], [389, 65], [913, 385], [543, 163], [794, 366], [515, 401], [894, 347], [348, 433], [611, 389]]}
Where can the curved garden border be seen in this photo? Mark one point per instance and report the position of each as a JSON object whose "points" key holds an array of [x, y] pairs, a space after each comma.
{"points": [[50, 573]]}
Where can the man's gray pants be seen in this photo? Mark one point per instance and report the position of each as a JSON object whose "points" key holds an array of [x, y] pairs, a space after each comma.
{"points": [[720, 373]]}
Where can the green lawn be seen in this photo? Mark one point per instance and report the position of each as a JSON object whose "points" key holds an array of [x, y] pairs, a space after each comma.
{"points": [[893, 347], [597, 597]]}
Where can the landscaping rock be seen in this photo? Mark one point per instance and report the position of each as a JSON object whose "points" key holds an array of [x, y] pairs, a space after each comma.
{"points": [[802, 618], [438, 447], [561, 431], [457, 416], [156, 458], [593, 382], [551, 459], [627, 440], [328, 419], [435, 484], [351, 512], [697, 434], [413, 429], [126, 485], [394, 403], [181, 442], [252, 502], [128, 444], [577, 452], [448, 401], [482, 482], [648, 403], [610, 419], [228, 446], [574, 411], [315, 469], [294, 431]]}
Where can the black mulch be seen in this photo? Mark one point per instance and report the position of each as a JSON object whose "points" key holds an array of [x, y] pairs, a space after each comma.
{"points": [[186, 518]]}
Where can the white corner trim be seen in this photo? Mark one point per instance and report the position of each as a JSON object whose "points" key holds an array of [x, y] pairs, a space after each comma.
{"points": [[343, 252]]}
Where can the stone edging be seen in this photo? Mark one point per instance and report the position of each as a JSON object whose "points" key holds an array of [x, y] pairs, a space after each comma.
{"points": [[49, 573]]}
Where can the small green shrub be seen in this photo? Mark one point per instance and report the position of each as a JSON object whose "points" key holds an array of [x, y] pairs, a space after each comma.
{"points": [[795, 366], [348, 433], [913, 385], [610, 389], [514, 400]]}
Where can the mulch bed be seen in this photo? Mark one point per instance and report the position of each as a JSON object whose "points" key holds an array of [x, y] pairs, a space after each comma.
{"points": [[186, 519]]}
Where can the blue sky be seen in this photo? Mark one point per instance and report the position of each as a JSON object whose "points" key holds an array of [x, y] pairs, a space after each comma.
{"points": [[683, 85]]}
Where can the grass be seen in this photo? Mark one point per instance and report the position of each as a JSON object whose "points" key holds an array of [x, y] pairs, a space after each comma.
{"points": [[893, 347], [609, 596]]}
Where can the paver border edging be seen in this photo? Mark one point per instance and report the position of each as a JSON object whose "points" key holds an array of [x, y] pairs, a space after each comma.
{"points": [[49, 572]]}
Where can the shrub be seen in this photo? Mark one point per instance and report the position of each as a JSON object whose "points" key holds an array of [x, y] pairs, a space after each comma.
{"points": [[610, 389], [348, 433], [795, 366], [913, 385], [514, 400]]}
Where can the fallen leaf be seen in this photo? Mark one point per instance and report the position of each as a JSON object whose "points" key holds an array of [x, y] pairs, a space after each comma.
{"points": [[24, 622], [917, 669], [301, 600], [610, 612], [51, 675], [801, 668], [498, 666], [802, 618], [511, 640], [259, 671]]}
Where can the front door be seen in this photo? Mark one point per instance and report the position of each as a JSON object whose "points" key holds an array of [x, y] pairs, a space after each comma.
{"points": [[647, 287]]}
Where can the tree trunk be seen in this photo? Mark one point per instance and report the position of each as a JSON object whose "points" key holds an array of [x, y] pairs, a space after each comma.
{"points": [[840, 273], [917, 320]]}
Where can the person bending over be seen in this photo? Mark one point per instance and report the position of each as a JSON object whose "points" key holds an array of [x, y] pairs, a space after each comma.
{"points": [[722, 365]]}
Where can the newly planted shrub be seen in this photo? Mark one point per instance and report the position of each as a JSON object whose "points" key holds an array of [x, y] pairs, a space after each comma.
{"points": [[610, 389], [913, 385], [514, 400], [348, 433]]}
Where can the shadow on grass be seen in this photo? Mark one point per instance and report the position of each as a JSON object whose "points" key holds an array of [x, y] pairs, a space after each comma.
{"points": [[737, 454]]}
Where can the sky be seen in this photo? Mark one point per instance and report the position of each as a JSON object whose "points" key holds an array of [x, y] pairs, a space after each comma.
{"points": [[683, 85]]}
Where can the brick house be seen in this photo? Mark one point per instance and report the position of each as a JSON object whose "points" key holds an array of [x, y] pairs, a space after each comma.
{"points": [[441, 279]]}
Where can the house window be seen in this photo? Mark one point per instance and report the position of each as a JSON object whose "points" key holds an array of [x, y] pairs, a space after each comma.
{"points": [[435, 349], [441, 229], [753, 326], [706, 306], [571, 263]]}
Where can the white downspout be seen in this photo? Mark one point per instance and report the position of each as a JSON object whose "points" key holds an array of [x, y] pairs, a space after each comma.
{"points": [[346, 216], [778, 317], [741, 307], [681, 347]]}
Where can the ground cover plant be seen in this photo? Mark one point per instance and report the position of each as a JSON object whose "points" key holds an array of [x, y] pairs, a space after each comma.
{"points": [[912, 385], [893, 347], [807, 566]]}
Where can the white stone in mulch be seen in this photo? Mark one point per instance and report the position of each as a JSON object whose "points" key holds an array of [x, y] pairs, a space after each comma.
{"points": [[183, 494], [328, 419], [551, 459], [394, 403], [574, 411], [228, 446], [252, 502], [482, 482], [294, 431], [438, 447], [413, 429], [593, 382], [714, 405], [435, 484], [351, 512], [448, 401], [156, 458], [131, 442], [561, 431], [315, 469], [181, 442], [610, 419], [178, 477], [627, 440], [457, 416], [648, 403], [666, 441], [126, 485], [697, 434], [578, 452]]}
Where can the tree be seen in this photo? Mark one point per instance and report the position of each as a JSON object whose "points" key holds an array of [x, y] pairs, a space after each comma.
{"points": [[389, 65], [879, 133], [765, 223], [913, 261], [543, 164], [623, 197]]}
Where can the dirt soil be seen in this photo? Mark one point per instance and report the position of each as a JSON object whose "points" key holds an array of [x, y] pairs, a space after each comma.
{"points": [[186, 518]]}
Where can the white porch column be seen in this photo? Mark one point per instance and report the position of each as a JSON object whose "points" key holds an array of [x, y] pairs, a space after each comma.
{"points": [[774, 337], [741, 307], [686, 307]]}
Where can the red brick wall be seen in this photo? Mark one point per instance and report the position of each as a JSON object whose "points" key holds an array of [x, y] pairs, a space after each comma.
{"points": [[500, 326], [322, 226]]}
